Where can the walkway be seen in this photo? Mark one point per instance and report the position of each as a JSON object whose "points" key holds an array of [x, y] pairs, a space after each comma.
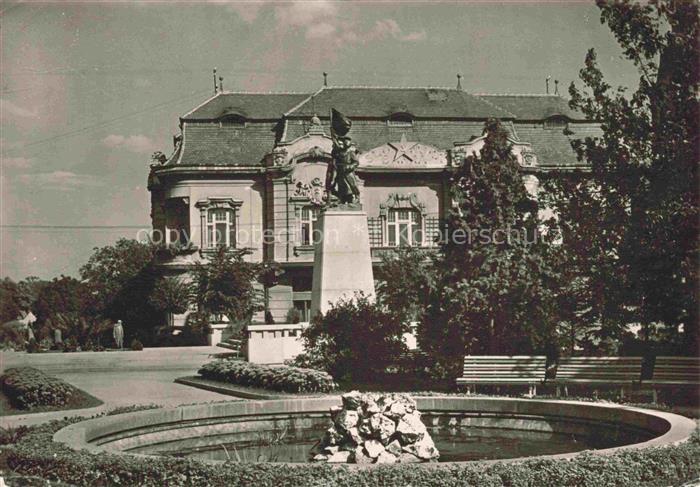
{"points": [[118, 378]]}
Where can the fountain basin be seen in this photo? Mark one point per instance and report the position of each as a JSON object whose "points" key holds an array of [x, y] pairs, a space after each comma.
{"points": [[467, 428]]}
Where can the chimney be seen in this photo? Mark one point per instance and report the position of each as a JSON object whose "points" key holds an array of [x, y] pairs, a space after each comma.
{"points": [[459, 81], [556, 86], [215, 89], [325, 79], [546, 83], [221, 84]]}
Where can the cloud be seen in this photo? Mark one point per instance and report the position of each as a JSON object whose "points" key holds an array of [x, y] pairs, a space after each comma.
{"points": [[320, 31], [303, 13], [15, 162], [390, 29], [247, 11], [140, 144], [320, 19], [60, 180]]}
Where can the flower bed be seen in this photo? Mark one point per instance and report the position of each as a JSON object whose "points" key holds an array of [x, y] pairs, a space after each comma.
{"points": [[34, 453], [28, 388], [285, 379]]}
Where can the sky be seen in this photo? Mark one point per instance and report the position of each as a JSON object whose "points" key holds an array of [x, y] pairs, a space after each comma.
{"points": [[90, 90]]}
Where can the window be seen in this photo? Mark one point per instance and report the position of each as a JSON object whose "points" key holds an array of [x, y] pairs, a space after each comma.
{"points": [[221, 228], [400, 120], [556, 122], [234, 120], [404, 228], [308, 231], [304, 308]]}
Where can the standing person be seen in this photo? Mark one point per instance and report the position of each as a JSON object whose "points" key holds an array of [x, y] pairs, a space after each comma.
{"points": [[57, 337], [118, 334], [30, 333]]}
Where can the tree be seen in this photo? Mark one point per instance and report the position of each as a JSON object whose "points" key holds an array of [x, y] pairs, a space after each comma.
{"points": [[494, 288], [171, 295], [120, 278], [64, 295], [225, 285], [404, 280], [12, 300], [636, 214]]}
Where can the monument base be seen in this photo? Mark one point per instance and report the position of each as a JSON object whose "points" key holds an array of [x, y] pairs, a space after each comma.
{"points": [[342, 259]]}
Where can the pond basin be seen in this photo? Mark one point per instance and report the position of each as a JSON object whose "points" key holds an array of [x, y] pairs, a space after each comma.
{"points": [[464, 428]]}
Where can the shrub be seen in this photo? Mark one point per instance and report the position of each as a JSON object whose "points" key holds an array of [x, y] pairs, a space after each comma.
{"points": [[357, 339], [285, 379], [136, 345], [32, 346], [35, 453], [28, 388], [293, 316], [12, 335]]}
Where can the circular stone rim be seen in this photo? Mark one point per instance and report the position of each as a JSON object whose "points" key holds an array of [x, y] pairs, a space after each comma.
{"points": [[669, 428]]}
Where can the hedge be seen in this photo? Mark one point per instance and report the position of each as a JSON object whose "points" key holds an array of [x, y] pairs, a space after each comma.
{"points": [[283, 378], [35, 453], [27, 388]]}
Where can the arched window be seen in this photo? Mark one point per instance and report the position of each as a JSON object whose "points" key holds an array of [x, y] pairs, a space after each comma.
{"points": [[400, 119], [404, 228]]}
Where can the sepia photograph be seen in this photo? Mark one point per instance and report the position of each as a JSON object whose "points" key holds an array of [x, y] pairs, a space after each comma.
{"points": [[394, 243]]}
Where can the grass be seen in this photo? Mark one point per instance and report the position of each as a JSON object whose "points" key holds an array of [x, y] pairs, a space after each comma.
{"points": [[80, 400]]}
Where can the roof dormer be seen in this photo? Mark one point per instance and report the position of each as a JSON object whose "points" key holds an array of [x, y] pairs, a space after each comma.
{"points": [[556, 121], [400, 119]]}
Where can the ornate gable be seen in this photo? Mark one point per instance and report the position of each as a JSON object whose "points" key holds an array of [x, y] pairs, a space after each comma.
{"points": [[522, 151], [404, 154]]}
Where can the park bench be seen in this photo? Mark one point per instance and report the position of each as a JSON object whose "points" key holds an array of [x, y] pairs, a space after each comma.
{"points": [[674, 371], [233, 344], [615, 371], [503, 370]]}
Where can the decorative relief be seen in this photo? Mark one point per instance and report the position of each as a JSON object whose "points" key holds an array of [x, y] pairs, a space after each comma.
{"points": [[309, 146], [315, 127], [401, 200], [279, 156], [313, 190], [404, 154], [528, 157], [522, 151]]}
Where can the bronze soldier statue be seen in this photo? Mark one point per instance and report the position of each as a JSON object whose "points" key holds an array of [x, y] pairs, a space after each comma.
{"points": [[341, 181]]}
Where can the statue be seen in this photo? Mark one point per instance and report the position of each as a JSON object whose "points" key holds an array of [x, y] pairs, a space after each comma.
{"points": [[340, 178]]}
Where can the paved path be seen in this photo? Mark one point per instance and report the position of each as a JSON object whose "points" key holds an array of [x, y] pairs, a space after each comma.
{"points": [[118, 378]]}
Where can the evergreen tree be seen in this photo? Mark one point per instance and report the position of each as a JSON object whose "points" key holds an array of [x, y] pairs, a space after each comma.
{"points": [[492, 292]]}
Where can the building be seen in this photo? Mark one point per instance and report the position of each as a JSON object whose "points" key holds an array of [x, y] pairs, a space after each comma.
{"points": [[248, 169]]}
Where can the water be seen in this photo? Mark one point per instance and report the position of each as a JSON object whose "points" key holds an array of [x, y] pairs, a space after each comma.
{"points": [[454, 444]]}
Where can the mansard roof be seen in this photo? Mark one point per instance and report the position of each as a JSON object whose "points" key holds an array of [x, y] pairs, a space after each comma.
{"points": [[533, 106], [441, 117], [252, 106], [378, 102]]}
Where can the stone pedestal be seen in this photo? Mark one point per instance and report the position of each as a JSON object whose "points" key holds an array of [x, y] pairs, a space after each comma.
{"points": [[342, 259], [216, 333]]}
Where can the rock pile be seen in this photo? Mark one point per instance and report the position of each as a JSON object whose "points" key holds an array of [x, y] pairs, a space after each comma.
{"points": [[375, 428]]}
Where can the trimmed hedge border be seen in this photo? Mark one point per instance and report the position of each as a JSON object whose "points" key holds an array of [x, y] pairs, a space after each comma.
{"points": [[282, 378], [27, 388], [34, 453]]}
